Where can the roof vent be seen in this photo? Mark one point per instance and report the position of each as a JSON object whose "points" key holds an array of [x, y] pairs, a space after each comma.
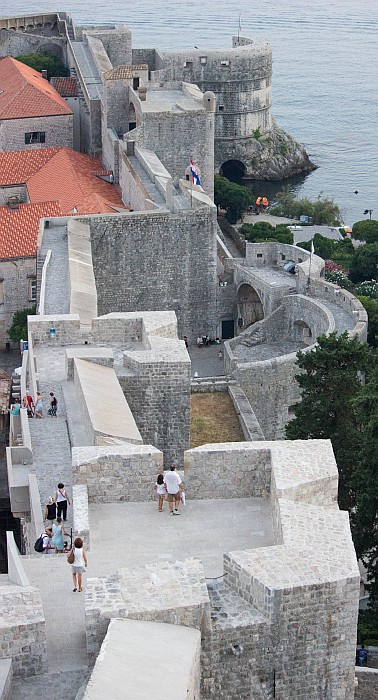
{"points": [[13, 202]]}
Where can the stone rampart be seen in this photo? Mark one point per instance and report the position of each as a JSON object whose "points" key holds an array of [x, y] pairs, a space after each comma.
{"points": [[229, 470], [174, 593], [117, 473], [97, 388], [120, 671], [367, 684], [22, 630], [80, 513], [83, 293]]}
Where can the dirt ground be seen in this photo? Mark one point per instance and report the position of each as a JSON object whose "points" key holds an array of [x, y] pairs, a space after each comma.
{"points": [[213, 419]]}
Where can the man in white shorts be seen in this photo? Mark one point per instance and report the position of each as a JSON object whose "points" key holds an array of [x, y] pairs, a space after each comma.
{"points": [[173, 485]]}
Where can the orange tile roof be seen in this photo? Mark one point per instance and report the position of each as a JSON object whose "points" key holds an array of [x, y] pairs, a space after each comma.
{"points": [[59, 181], [24, 93], [67, 87], [63, 175], [19, 228]]}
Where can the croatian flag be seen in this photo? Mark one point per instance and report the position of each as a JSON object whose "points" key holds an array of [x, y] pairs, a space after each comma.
{"points": [[193, 170]]}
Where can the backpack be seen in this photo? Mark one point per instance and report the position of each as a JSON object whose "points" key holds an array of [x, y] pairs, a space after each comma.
{"points": [[39, 544]]}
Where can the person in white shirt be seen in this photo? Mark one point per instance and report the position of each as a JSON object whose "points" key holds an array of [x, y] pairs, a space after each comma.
{"points": [[173, 485]]}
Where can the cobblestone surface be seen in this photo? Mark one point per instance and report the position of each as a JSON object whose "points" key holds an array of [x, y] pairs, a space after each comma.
{"points": [[52, 685], [57, 285]]}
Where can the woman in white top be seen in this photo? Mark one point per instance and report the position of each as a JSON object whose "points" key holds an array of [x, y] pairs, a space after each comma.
{"points": [[79, 565]]}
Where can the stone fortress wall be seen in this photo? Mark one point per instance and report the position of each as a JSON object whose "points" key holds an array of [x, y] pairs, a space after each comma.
{"points": [[286, 614]]}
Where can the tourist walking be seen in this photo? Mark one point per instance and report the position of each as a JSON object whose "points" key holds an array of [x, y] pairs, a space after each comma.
{"points": [[57, 532], [30, 402], [38, 405], [15, 408], [62, 501], [50, 510], [173, 485], [160, 490], [79, 565], [53, 404]]}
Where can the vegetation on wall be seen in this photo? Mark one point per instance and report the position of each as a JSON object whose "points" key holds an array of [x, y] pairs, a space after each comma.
{"points": [[18, 330], [263, 231], [45, 60]]}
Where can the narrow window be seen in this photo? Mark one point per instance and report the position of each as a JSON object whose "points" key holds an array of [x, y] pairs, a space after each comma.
{"points": [[33, 289]]}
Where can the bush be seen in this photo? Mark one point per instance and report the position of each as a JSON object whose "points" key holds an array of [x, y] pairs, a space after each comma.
{"points": [[321, 211], [262, 231], [45, 61], [340, 278], [364, 264], [366, 230], [19, 328], [371, 306]]}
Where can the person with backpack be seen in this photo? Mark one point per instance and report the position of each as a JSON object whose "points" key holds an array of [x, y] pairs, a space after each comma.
{"points": [[42, 545], [53, 404], [160, 490]]}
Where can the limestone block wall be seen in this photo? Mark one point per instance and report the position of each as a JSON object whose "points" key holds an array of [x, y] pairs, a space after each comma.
{"points": [[66, 326], [274, 254], [367, 679], [80, 513], [15, 277], [58, 132], [240, 78], [170, 592], [117, 473], [229, 470], [22, 630], [177, 136], [145, 253], [157, 387], [119, 665], [117, 44]]}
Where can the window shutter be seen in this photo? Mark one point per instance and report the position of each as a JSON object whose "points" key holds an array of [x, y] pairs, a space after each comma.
{"points": [[42, 137], [27, 137]]}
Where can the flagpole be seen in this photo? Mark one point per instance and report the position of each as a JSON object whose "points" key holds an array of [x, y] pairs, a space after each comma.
{"points": [[191, 185], [309, 267]]}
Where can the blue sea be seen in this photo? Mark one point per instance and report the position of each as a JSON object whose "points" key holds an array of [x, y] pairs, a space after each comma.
{"points": [[325, 83]]}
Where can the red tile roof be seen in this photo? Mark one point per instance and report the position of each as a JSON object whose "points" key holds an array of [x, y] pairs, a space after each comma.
{"points": [[59, 181], [24, 93], [67, 87], [63, 175], [19, 228]]}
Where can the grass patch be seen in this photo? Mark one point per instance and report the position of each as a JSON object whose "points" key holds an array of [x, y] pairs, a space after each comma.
{"points": [[213, 419]]}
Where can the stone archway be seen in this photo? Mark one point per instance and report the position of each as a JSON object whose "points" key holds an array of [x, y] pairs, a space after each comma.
{"points": [[302, 333], [249, 305], [233, 170]]}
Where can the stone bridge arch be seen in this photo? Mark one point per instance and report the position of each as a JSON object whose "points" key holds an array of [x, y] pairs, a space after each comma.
{"points": [[249, 306]]}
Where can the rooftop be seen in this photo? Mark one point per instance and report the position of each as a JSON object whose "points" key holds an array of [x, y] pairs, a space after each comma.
{"points": [[66, 87], [19, 228], [59, 181], [24, 93]]}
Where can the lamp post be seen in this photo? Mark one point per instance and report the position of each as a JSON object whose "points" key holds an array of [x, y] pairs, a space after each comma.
{"points": [[368, 211]]}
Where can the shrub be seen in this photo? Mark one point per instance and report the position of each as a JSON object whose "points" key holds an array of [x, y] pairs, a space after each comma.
{"points": [[18, 330], [371, 306], [340, 278], [366, 230], [45, 60], [321, 211], [263, 231], [364, 264]]}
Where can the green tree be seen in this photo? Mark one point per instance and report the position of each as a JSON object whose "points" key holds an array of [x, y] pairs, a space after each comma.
{"points": [[18, 330], [235, 199], [364, 264], [371, 306], [340, 252], [366, 230], [329, 380], [45, 60]]}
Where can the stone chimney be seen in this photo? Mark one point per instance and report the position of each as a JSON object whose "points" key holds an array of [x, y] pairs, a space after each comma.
{"points": [[142, 92]]}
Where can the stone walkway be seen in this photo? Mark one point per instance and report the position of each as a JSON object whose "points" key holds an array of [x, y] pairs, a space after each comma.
{"points": [[55, 239]]}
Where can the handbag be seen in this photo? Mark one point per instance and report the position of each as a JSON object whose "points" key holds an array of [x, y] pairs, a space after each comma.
{"points": [[71, 556]]}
